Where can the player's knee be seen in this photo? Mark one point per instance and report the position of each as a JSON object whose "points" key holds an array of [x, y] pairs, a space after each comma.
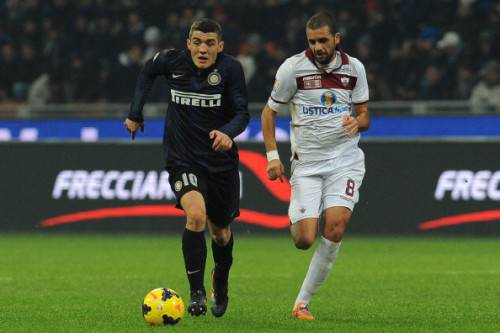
{"points": [[302, 245], [335, 235], [334, 230], [303, 242], [221, 237], [196, 219]]}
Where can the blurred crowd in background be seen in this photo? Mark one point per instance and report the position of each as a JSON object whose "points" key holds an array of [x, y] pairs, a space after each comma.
{"points": [[57, 51]]}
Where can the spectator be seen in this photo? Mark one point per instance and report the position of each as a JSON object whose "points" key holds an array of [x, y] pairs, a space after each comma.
{"points": [[9, 67], [413, 49], [135, 28], [152, 39], [464, 82], [247, 52], [431, 86], [485, 95], [128, 70], [29, 69], [39, 92]]}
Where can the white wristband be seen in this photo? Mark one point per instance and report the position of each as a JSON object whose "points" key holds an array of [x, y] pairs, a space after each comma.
{"points": [[272, 155]]}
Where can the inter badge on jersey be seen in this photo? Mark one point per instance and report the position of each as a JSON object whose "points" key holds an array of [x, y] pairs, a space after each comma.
{"points": [[178, 186], [214, 78]]}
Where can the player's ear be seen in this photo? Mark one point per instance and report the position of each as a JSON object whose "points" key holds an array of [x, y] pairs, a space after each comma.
{"points": [[220, 47], [188, 43], [337, 37]]}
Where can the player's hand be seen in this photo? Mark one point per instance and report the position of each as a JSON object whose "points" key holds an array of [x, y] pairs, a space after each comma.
{"points": [[222, 142], [350, 124], [275, 170], [133, 126]]}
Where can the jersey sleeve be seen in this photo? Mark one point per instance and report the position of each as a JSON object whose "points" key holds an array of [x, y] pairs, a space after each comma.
{"points": [[158, 65], [360, 93], [285, 86], [238, 100]]}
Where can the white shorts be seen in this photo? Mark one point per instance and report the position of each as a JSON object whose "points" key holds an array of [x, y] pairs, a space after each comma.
{"points": [[318, 185]]}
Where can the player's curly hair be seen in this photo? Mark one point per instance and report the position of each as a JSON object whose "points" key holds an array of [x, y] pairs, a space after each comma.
{"points": [[206, 25], [322, 19]]}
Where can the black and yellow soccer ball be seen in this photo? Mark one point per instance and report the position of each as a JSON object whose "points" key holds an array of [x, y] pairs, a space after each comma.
{"points": [[162, 306]]}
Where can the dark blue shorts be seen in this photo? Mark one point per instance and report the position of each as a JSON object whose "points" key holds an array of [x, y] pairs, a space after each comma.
{"points": [[221, 191]]}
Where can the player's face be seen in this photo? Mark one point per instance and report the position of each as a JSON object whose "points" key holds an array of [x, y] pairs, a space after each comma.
{"points": [[204, 47], [322, 43]]}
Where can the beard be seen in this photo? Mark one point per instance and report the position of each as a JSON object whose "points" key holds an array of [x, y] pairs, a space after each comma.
{"points": [[326, 57]]}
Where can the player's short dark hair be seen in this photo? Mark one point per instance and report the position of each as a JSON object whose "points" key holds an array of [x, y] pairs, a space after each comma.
{"points": [[206, 25], [322, 19]]}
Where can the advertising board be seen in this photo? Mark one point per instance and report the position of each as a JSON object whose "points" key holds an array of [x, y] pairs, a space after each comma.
{"points": [[411, 187]]}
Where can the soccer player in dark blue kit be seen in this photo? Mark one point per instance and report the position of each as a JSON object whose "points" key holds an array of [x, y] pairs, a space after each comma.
{"points": [[207, 110]]}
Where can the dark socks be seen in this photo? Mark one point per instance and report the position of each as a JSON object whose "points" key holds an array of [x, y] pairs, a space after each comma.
{"points": [[223, 258], [194, 249]]}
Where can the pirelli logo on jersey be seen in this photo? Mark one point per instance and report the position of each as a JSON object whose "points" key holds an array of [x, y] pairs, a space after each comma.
{"points": [[195, 99]]}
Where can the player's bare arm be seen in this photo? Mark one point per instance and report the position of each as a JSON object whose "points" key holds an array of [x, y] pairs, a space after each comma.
{"points": [[359, 123], [222, 142], [133, 126], [275, 168]]}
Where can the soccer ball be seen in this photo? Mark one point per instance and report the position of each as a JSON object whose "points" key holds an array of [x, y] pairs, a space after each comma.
{"points": [[162, 306]]}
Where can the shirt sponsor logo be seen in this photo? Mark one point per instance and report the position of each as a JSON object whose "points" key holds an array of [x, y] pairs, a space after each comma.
{"points": [[312, 77], [195, 99], [468, 185], [328, 98], [324, 111], [312, 82]]}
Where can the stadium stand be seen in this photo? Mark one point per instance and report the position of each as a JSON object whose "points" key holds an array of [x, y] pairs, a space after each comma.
{"points": [[62, 51]]}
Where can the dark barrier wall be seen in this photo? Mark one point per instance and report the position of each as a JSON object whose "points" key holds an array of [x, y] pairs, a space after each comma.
{"points": [[410, 187], [116, 186], [427, 187]]}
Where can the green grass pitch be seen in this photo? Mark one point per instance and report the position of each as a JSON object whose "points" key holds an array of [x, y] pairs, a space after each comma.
{"points": [[96, 283]]}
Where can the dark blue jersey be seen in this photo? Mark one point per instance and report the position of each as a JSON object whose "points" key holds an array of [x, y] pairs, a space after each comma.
{"points": [[201, 100]]}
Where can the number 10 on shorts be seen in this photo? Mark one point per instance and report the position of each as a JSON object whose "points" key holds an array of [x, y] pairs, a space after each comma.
{"points": [[189, 179]]}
